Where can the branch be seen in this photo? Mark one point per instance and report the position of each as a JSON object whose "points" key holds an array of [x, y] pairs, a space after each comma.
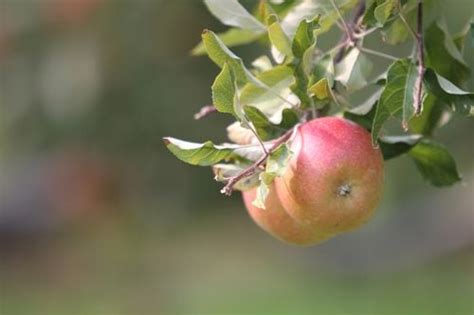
{"points": [[405, 21], [229, 187], [205, 111], [349, 37], [377, 53], [417, 104], [341, 18]]}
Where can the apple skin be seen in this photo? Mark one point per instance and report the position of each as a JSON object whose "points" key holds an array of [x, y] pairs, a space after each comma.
{"points": [[334, 180], [276, 221]]}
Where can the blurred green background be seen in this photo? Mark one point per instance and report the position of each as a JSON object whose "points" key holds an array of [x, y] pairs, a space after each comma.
{"points": [[97, 218]]}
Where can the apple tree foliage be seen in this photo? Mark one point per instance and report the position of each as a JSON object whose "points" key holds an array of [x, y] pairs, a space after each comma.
{"points": [[297, 80]]}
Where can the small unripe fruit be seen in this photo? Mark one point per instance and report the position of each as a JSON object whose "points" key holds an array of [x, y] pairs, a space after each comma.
{"points": [[332, 183]]}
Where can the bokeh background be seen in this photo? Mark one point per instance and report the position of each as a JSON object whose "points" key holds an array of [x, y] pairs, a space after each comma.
{"points": [[96, 217]]}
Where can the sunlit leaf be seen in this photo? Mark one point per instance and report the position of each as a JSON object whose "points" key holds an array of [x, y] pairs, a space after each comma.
{"points": [[262, 63], [265, 128], [223, 91], [278, 38], [204, 154], [320, 89], [232, 13], [220, 54], [261, 195], [276, 166], [353, 70], [303, 47], [232, 37], [308, 9], [271, 98], [222, 173], [277, 162]]}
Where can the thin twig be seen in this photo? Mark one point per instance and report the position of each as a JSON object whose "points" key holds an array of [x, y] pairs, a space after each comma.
{"points": [[417, 104], [205, 111], [365, 33], [405, 21], [329, 51], [254, 131], [247, 121], [341, 18], [377, 53], [349, 39], [229, 187]]}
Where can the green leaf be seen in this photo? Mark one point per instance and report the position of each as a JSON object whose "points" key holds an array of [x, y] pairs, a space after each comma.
{"points": [[223, 91], [364, 113], [304, 37], [429, 119], [204, 154], [278, 37], [320, 89], [393, 146], [446, 91], [443, 56], [383, 11], [220, 55], [262, 63], [397, 96], [230, 38], [303, 46], [435, 163], [276, 165], [353, 70], [222, 173], [269, 99], [264, 11], [460, 38], [369, 16], [262, 193], [265, 128], [396, 32], [232, 13], [368, 105], [324, 68], [308, 9]]}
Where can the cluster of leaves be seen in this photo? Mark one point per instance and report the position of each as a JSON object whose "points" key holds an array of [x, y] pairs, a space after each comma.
{"points": [[297, 80]]}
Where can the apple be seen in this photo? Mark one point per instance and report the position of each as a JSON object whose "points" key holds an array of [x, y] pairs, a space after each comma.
{"points": [[332, 183], [276, 221]]}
